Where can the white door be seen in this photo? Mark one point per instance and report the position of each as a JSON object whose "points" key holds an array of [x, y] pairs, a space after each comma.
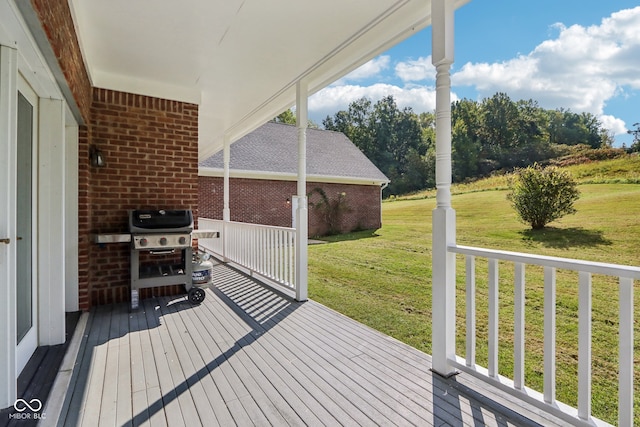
{"points": [[26, 293]]}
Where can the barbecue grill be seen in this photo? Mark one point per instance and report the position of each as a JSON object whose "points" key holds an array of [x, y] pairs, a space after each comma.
{"points": [[161, 252]]}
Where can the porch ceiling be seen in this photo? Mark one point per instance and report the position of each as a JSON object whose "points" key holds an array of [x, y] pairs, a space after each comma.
{"points": [[239, 59]]}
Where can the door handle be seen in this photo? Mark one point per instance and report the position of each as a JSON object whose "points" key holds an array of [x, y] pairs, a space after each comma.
{"points": [[5, 241]]}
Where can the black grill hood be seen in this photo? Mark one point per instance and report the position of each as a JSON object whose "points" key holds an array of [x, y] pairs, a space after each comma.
{"points": [[160, 221]]}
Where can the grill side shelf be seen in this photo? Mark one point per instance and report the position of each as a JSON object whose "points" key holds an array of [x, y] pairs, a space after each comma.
{"points": [[111, 238]]}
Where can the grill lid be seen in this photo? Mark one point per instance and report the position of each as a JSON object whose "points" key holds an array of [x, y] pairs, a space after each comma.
{"points": [[149, 220]]}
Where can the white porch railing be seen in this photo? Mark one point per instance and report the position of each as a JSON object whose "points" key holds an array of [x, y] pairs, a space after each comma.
{"points": [[547, 400], [264, 250]]}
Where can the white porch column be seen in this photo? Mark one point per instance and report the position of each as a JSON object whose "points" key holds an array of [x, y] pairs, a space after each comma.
{"points": [[226, 211], [8, 122], [51, 222], [444, 217], [302, 219]]}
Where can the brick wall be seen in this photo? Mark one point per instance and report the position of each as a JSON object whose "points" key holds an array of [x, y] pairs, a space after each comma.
{"points": [[151, 151], [84, 218], [265, 202], [56, 20]]}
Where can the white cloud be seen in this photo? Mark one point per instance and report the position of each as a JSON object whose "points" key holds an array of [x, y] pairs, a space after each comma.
{"points": [[416, 70], [332, 99], [580, 69], [615, 125], [370, 69]]}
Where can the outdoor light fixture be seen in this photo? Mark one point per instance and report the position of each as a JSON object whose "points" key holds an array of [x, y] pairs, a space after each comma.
{"points": [[96, 157]]}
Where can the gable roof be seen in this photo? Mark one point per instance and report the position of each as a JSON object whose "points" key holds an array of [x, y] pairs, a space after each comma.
{"points": [[271, 152]]}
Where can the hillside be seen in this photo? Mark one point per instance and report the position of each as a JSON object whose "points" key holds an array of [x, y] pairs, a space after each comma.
{"points": [[624, 170]]}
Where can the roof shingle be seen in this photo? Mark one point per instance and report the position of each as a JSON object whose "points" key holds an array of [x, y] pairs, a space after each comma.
{"points": [[273, 147]]}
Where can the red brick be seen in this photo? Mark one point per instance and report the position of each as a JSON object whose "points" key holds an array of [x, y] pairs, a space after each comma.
{"points": [[265, 202], [142, 172]]}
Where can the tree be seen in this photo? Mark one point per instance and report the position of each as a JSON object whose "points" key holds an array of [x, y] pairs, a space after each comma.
{"points": [[499, 127], [393, 139], [355, 124], [289, 117], [636, 137], [542, 195], [467, 156], [568, 128]]}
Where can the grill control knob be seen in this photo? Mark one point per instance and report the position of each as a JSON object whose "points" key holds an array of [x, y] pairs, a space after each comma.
{"points": [[163, 241], [143, 242], [182, 240]]}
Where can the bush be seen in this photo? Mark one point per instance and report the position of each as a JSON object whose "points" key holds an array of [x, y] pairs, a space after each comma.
{"points": [[542, 195], [330, 210]]}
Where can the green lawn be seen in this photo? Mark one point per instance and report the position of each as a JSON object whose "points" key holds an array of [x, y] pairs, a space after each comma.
{"points": [[383, 279]]}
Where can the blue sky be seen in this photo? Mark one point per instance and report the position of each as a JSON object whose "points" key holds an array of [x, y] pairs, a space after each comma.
{"points": [[582, 55]]}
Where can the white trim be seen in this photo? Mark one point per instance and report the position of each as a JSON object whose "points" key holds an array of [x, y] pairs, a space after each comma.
{"points": [[31, 61], [27, 346], [51, 221], [8, 123], [281, 176]]}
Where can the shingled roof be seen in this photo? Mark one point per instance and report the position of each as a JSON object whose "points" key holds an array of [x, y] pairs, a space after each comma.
{"points": [[270, 152]]}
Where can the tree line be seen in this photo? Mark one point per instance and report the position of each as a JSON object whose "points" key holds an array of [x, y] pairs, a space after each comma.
{"points": [[496, 133]]}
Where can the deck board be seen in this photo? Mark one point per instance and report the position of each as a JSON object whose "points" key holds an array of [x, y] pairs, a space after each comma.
{"points": [[90, 406], [271, 406], [167, 402], [250, 356]]}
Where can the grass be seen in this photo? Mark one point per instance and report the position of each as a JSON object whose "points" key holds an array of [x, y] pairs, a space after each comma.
{"points": [[624, 170], [383, 278]]}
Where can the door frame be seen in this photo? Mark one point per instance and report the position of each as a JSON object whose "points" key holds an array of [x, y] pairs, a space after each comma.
{"points": [[8, 126], [27, 346]]}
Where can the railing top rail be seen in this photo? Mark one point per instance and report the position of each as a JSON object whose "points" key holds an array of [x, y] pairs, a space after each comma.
{"points": [[247, 224], [548, 261]]}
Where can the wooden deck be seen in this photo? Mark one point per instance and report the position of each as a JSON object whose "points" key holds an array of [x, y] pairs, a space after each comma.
{"points": [[249, 356]]}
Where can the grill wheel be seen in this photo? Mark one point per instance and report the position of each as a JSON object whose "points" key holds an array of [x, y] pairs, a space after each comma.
{"points": [[196, 295]]}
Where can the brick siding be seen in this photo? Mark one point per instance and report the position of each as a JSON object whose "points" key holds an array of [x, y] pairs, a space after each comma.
{"points": [[84, 218], [265, 202], [57, 23], [151, 151]]}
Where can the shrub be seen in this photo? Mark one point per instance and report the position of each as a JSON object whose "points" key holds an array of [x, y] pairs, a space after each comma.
{"points": [[542, 195], [330, 210]]}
